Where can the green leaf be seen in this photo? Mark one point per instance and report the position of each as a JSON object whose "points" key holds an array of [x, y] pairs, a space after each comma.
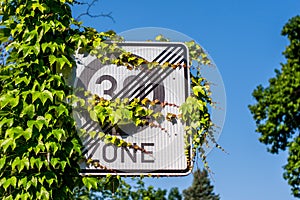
{"points": [[35, 95], [60, 94], [27, 134], [54, 147], [197, 89], [28, 110], [52, 59], [2, 181], [90, 182], [54, 162], [62, 109], [39, 123], [44, 47], [46, 94], [32, 161], [63, 165], [4, 100], [64, 61], [25, 162], [22, 182], [46, 28], [2, 162], [39, 6], [44, 193], [76, 146], [34, 181], [5, 143], [9, 122], [21, 166], [15, 163], [39, 163], [6, 184], [58, 133], [13, 181], [93, 115]]}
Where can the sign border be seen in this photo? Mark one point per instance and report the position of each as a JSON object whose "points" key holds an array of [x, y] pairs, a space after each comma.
{"points": [[159, 172]]}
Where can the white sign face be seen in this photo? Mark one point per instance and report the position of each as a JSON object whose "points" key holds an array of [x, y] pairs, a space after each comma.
{"points": [[165, 146]]}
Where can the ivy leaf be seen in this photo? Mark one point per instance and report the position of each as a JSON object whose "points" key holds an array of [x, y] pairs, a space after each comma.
{"points": [[6, 143], [116, 116], [44, 47], [28, 110], [32, 161], [54, 162], [76, 145], [38, 6], [6, 184], [34, 181], [197, 89], [25, 161], [63, 165], [58, 133], [2, 162], [39, 163], [46, 94], [14, 101], [15, 163], [52, 59], [64, 61], [93, 115], [90, 182], [39, 123], [35, 95], [4, 100], [22, 182], [13, 181], [60, 94], [62, 109], [9, 122]]}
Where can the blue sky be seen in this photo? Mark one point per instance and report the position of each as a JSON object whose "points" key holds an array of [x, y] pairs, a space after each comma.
{"points": [[243, 38]]}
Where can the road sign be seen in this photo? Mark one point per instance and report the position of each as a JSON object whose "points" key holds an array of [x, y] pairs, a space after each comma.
{"points": [[165, 149]]}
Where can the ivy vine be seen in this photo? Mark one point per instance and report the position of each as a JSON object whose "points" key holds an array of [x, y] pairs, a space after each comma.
{"points": [[40, 147]]}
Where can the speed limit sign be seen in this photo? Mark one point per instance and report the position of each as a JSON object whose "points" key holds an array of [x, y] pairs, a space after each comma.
{"points": [[166, 150]]}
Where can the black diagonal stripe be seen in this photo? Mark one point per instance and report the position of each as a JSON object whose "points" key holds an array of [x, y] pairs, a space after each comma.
{"points": [[93, 127], [152, 79], [156, 84], [94, 150], [106, 129], [85, 137], [156, 74], [126, 87], [183, 60], [166, 55], [140, 79]]}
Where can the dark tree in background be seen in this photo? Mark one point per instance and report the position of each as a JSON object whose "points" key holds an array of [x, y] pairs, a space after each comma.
{"points": [[201, 189], [277, 108], [174, 194]]}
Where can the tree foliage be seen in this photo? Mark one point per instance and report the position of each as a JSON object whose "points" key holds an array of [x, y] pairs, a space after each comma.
{"points": [[277, 110], [137, 191], [201, 188], [40, 146]]}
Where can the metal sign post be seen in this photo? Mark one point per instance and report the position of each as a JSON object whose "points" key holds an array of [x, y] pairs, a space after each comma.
{"points": [[165, 149]]}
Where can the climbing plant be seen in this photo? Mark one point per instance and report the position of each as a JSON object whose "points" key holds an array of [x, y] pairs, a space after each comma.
{"points": [[40, 147]]}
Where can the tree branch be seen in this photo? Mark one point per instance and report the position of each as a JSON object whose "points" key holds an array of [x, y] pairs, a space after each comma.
{"points": [[88, 11]]}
